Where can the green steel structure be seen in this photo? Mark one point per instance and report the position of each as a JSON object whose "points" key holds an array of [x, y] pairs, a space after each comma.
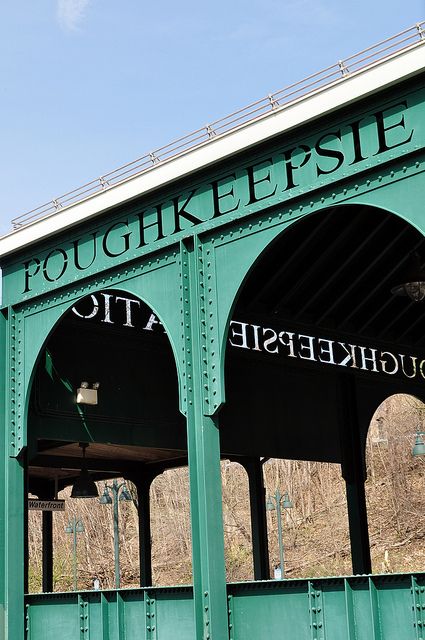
{"points": [[232, 299]]}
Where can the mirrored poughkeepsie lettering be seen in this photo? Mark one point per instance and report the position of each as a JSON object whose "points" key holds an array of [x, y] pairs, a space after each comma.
{"points": [[108, 308]]}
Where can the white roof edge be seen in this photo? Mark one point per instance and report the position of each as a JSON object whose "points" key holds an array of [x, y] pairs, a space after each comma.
{"points": [[358, 85]]}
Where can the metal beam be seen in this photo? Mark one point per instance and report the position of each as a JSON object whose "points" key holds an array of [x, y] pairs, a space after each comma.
{"points": [[159, 434], [313, 267], [105, 465], [343, 265], [355, 281], [301, 249], [371, 293]]}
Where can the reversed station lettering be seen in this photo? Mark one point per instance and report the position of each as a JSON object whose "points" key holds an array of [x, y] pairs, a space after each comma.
{"points": [[125, 311]]}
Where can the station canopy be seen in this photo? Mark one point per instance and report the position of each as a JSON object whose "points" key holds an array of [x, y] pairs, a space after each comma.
{"points": [[316, 306]]}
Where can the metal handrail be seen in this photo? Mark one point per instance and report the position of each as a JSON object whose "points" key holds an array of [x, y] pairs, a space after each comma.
{"points": [[271, 103]]}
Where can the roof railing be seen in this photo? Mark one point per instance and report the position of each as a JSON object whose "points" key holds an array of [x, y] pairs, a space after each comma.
{"points": [[279, 99]]}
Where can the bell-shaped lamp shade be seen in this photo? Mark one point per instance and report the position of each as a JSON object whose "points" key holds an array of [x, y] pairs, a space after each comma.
{"points": [[125, 495], [270, 505], [413, 290], [286, 504], [419, 446], [84, 486], [413, 285], [105, 498]]}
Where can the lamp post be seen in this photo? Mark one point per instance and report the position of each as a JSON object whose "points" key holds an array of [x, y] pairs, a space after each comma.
{"points": [[413, 281], [277, 501], [119, 492], [74, 527]]}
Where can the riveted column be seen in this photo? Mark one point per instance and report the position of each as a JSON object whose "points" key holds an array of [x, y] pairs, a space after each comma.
{"points": [[14, 548], [257, 499], [25, 525], [12, 615], [211, 618], [3, 460]]}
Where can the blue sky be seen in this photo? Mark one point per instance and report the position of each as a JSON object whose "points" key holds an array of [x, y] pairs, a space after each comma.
{"points": [[87, 85]]}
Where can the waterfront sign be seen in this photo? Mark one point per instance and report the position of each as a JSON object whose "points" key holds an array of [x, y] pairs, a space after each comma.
{"points": [[46, 505]]}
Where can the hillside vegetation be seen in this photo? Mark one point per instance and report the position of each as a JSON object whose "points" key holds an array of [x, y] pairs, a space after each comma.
{"points": [[315, 530]]}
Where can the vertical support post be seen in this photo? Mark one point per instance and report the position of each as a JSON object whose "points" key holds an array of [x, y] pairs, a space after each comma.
{"points": [[26, 549], [14, 549], [3, 468], [257, 499], [354, 474], [47, 546], [47, 524], [209, 576], [207, 528], [143, 484], [12, 485]]}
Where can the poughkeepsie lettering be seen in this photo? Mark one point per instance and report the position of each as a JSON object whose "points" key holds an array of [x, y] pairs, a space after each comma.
{"points": [[271, 180]]}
